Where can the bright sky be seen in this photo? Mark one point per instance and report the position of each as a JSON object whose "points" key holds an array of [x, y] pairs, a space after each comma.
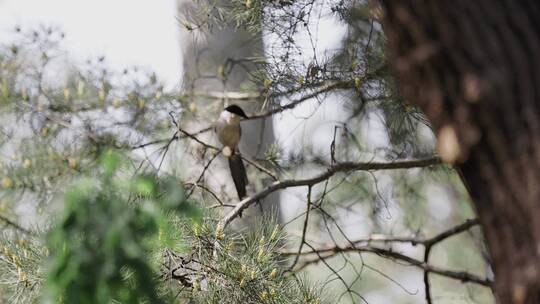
{"points": [[128, 32]]}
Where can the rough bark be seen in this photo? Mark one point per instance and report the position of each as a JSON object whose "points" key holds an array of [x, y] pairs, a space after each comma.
{"points": [[474, 68]]}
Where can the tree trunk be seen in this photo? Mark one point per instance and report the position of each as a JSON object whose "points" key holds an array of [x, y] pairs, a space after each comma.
{"points": [[474, 68]]}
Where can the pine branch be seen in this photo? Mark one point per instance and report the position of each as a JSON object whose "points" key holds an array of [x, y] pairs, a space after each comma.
{"points": [[330, 251], [14, 225], [388, 253], [332, 170]]}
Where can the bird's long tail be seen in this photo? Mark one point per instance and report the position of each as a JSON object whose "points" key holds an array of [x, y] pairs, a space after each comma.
{"points": [[238, 173]]}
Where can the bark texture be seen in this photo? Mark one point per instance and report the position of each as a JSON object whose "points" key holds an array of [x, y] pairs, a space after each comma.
{"points": [[474, 68]]}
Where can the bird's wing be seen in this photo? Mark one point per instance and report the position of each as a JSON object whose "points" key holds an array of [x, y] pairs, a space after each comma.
{"points": [[238, 173]]}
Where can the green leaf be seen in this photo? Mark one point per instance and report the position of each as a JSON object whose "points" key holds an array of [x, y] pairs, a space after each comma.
{"points": [[173, 194], [144, 186], [192, 211], [110, 161]]}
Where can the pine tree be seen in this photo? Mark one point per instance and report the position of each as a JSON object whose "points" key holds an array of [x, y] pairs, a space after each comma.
{"points": [[122, 176]]}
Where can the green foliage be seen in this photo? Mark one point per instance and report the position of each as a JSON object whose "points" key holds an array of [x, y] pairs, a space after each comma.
{"points": [[243, 267], [21, 275], [100, 248], [57, 116], [126, 235]]}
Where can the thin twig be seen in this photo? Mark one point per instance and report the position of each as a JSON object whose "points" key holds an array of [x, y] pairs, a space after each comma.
{"points": [[14, 225], [457, 275], [304, 229]]}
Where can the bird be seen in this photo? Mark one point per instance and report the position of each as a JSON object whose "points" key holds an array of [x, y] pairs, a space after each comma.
{"points": [[229, 132]]}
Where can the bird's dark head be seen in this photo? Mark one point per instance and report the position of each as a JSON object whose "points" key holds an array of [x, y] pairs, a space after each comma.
{"points": [[236, 110]]}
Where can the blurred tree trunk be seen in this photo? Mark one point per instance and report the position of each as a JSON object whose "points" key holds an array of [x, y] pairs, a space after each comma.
{"points": [[474, 68], [227, 52]]}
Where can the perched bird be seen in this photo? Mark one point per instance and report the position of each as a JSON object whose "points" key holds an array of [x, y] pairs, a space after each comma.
{"points": [[228, 130]]}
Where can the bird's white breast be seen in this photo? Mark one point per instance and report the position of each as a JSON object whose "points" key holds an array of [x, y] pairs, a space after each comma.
{"points": [[228, 129]]}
